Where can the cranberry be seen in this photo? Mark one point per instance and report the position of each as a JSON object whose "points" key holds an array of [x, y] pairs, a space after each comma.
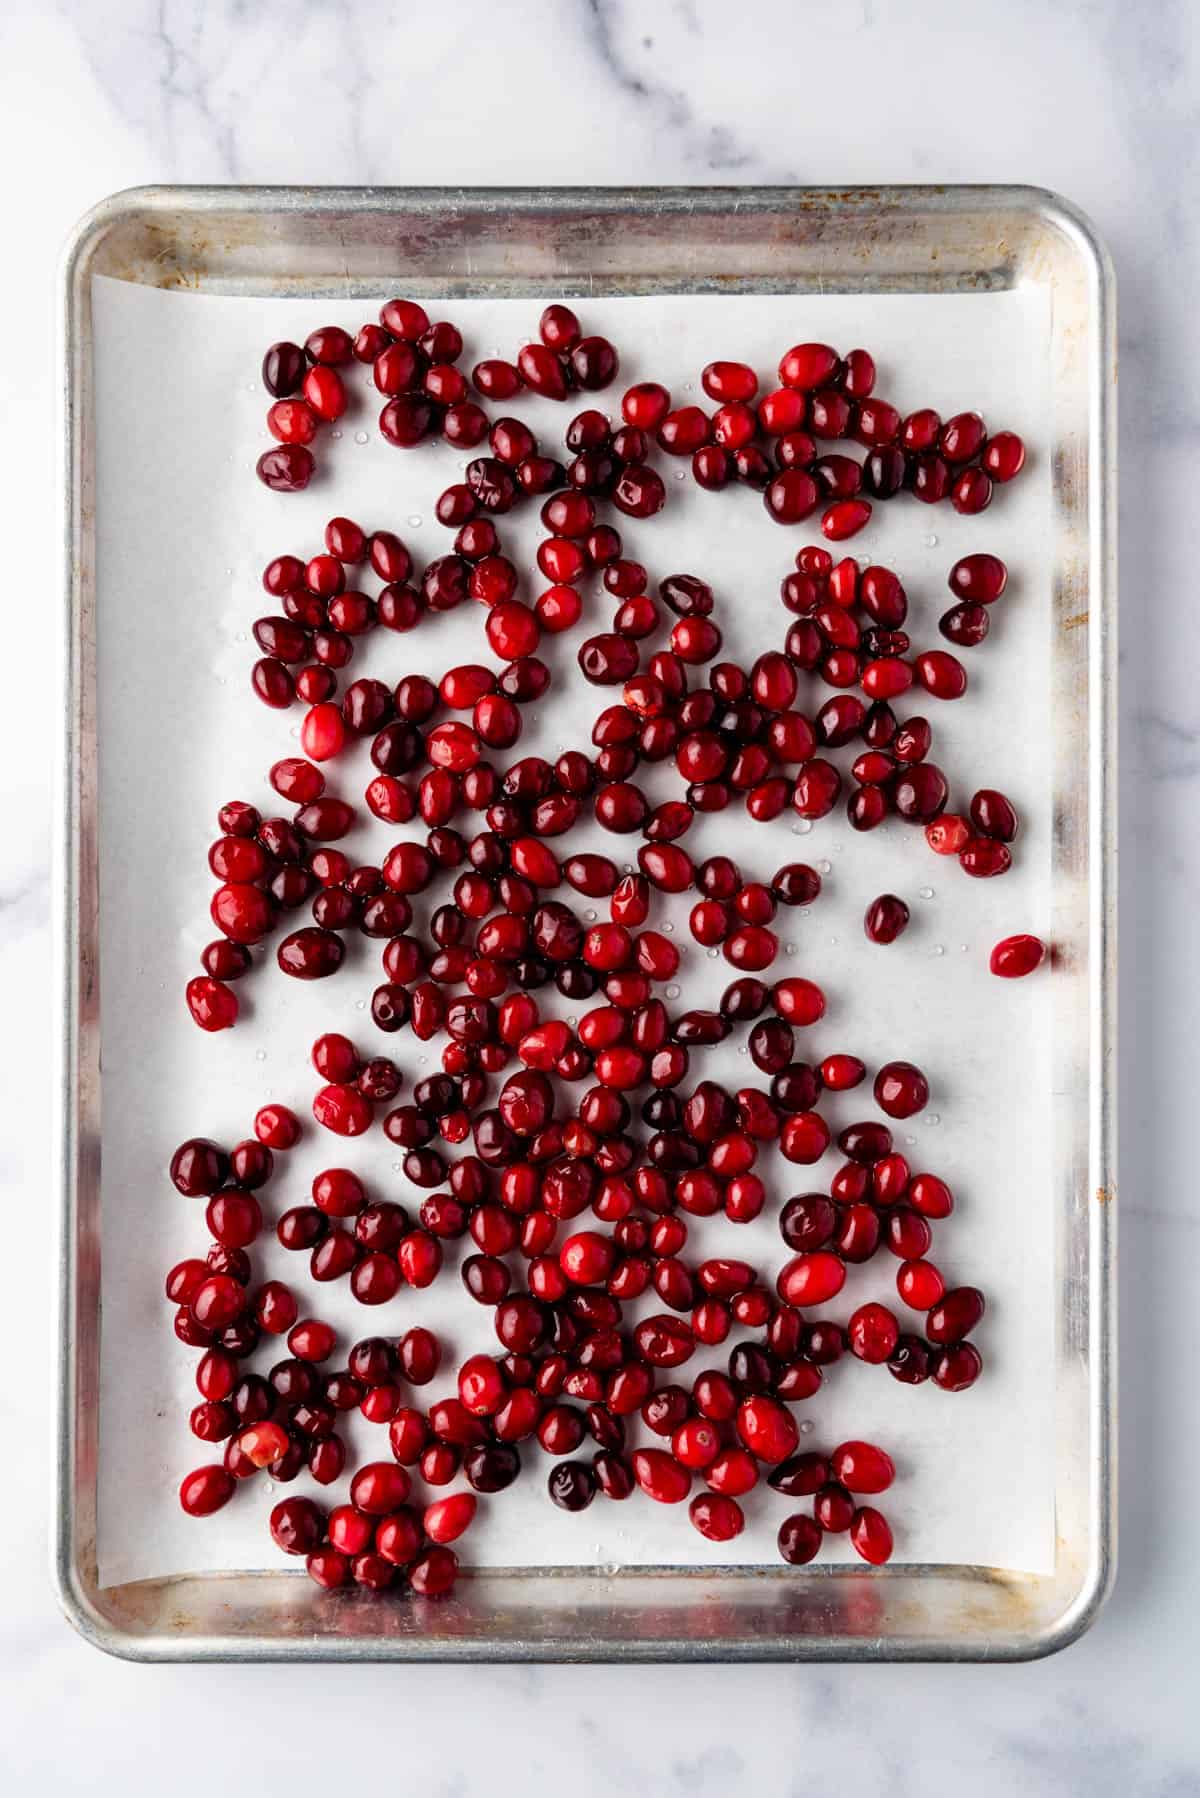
{"points": [[297, 1526], [311, 954], [1016, 956], [808, 366], [965, 625], [901, 1089], [799, 1539], [871, 1535], [886, 918], [213, 1005], [957, 1368], [206, 1490], [1004, 456], [979, 578], [983, 858], [792, 496], [993, 815]]}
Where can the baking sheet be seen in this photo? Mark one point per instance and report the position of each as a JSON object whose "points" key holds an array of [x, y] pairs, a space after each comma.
{"points": [[183, 530]]}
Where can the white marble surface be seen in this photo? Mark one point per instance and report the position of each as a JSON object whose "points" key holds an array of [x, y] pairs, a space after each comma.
{"points": [[1097, 98]]}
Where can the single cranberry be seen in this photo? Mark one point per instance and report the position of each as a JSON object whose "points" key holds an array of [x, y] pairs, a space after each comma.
{"points": [[983, 858], [206, 1490], [871, 1535], [957, 1368], [993, 815], [920, 793], [1015, 956], [199, 1167], [297, 1526], [872, 1333], [901, 1089], [886, 918], [311, 954], [809, 365], [283, 369], [213, 1005], [799, 1539], [941, 674], [979, 578], [1004, 456], [965, 625], [792, 496]]}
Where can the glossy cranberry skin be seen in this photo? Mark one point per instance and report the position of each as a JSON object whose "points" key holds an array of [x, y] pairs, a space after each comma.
{"points": [[792, 496], [965, 625], [993, 815], [1004, 456], [206, 1490], [979, 578], [920, 793], [886, 918], [901, 1089], [871, 1535], [808, 366], [311, 954], [1015, 956], [957, 1368], [799, 1539], [984, 858]]}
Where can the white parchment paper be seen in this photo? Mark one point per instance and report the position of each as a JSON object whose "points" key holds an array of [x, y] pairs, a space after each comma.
{"points": [[183, 532]]}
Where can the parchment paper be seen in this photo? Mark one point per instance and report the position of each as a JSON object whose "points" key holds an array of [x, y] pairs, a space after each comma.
{"points": [[183, 532]]}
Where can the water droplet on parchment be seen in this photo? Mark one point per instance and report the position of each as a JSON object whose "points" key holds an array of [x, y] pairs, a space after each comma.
{"points": [[825, 867], [590, 916], [414, 519], [963, 947], [930, 541], [801, 827], [360, 1005], [260, 1055], [241, 637], [833, 942], [669, 928], [934, 1118], [572, 1022], [679, 475], [397, 1167], [789, 948], [336, 435], [938, 949], [712, 954], [806, 1426], [910, 1140], [742, 1049], [925, 892], [672, 991], [361, 437]]}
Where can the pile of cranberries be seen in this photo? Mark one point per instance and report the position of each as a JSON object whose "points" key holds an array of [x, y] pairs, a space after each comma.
{"points": [[568, 1154]]}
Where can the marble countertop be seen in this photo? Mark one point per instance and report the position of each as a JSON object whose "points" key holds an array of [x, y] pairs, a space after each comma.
{"points": [[1095, 98]]}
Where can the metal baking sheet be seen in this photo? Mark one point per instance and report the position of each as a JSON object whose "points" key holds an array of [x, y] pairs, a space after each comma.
{"points": [[537, 244]]}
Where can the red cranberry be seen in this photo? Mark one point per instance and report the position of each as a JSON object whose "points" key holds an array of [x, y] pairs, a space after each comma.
{"points": [[1015, 956], [1004, 456], [871, 1535], [297, 1526], [901, 1089], [808, 366], [984, 858], [993, 815], [886, 918], [965, 625], [206, 1490], [799, 1539]]}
